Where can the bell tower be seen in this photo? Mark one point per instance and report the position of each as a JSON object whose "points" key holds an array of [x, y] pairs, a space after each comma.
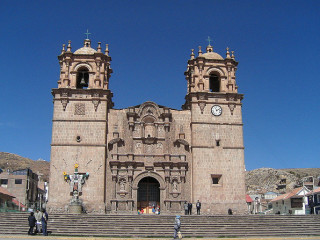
{"points": [[218, 168], [79, 126]]}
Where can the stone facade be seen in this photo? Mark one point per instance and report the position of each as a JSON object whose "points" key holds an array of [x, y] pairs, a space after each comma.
{"points": [[148, 155]]}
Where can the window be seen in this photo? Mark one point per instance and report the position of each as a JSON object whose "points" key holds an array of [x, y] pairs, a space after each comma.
{"points": [[216, 179], [217, 143], [18, 181], [214, 83], [3, 181], [82, 78], [296, 202]]}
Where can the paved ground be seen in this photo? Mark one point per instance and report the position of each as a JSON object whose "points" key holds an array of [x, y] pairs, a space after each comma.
{"points": [[40, 237]]}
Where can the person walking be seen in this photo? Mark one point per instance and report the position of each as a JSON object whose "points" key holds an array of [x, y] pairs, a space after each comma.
{"points": [[44, 221], [186, 209], [32, 223], [177, 225], [198, 205], [38, 216]]}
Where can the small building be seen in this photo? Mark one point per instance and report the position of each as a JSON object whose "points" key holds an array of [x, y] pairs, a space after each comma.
{"points": [[268, 196], [22, 184], [294, 202], [5, 199], [314, 201]]}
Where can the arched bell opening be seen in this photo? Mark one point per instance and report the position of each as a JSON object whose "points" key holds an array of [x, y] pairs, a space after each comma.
{"points": [[82, 78], [214, 83], [148, 195]]}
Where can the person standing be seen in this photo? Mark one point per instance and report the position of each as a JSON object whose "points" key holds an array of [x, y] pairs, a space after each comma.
{"points": [[177, 225], [38, 216], [190, 208], [32, 223], [198, 205], [44, 221], [186, 209]]}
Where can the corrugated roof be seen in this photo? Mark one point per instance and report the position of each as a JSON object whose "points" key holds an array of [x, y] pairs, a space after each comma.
{"points": [[294, 192], [291, 194], [317, 190], [6, 192]]}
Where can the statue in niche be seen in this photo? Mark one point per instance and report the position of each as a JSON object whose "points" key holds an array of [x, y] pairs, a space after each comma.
{"points": [[122, 185], [174, 186], [149, 149]]}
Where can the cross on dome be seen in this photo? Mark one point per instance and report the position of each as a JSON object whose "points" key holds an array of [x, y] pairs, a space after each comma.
{"points": [[87, 33], [209, 40]]}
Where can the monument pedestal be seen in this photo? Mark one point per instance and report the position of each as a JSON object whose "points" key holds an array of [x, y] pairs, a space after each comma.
{"points": [[75, 208]]}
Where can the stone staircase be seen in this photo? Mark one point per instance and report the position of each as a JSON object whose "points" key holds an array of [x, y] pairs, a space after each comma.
{"points": [[162, 225]]}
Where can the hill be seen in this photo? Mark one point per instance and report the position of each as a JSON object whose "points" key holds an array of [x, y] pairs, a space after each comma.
{"points": [[16, 162], [267, 179]]}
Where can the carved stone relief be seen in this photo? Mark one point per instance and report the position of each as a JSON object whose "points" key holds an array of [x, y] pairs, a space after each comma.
{"points": [[232, 106], [79, 109], [95, 104], [122, 185], [159, 146], [149, 149], [202, 106], [174, 186]]}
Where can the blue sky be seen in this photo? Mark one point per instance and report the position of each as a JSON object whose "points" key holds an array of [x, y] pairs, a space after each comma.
{"points": [[277, 44]]}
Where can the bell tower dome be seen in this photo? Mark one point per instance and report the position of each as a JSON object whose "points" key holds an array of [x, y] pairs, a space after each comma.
{"points": [[210, 73], [86, 68]]}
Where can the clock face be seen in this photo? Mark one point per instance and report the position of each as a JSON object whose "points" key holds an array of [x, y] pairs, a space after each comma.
{"points": [[216, 110]]}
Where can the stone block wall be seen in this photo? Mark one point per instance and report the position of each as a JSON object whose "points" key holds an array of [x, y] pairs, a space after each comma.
{"points": [[78, 137]]}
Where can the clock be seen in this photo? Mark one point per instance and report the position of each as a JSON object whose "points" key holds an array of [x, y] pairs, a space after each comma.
{"points": [[216, 110]]}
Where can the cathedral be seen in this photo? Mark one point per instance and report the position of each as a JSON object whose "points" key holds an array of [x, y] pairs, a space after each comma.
{"points": [[147, 155]]}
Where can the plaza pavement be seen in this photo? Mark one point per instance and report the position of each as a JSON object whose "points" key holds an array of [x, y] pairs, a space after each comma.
{"points": [[40, 237]]}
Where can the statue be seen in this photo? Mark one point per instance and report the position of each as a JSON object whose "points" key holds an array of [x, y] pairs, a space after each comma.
{"points": [[175, 186], [76, 182], [122, 185]]}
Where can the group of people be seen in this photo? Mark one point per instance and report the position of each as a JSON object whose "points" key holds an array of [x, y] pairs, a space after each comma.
{"points": [[155, 210], [188, 208], [39, 220]]}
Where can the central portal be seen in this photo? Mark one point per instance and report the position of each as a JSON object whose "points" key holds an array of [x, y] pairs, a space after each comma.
{"points": [[148, 194]]}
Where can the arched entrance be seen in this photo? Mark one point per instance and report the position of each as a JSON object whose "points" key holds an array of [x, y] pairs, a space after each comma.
{"points": [[148, 194]]}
